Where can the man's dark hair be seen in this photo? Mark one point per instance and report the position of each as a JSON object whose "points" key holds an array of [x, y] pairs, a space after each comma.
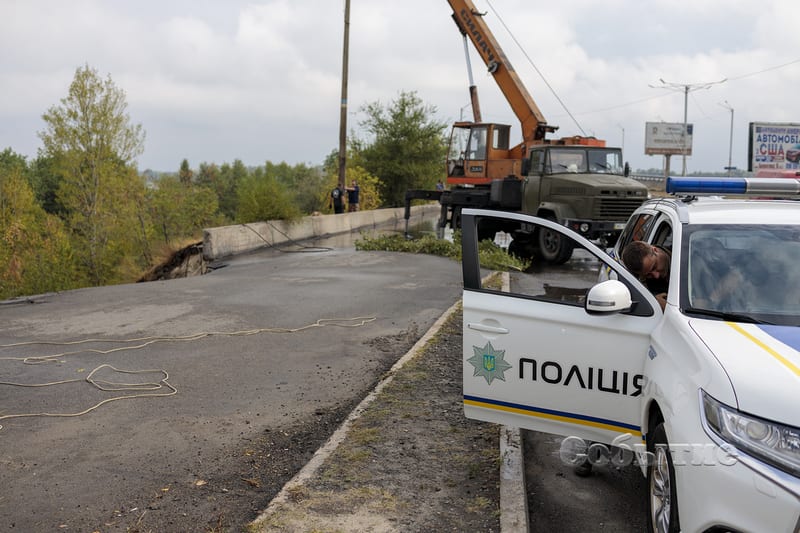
{"points": [[633, 256]]}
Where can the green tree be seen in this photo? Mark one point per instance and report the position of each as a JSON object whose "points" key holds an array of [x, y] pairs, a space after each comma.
{"points": [[44, 180], [261, 197], [185, 173], [230, 178], [35, 255], [408, 147], [94, 145], [179, 211], [304, 183]]}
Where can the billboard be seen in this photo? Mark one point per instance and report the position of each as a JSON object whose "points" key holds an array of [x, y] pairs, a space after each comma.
{"points": [[773, 145], [667, 138]]}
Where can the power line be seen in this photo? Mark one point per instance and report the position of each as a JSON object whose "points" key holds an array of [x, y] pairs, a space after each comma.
{"points": [[776, 67], [729, 79]]}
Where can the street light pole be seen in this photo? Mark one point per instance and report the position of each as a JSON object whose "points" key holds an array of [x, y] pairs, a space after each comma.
{"points": [[685, 125], [727, 106], [686, 88]]}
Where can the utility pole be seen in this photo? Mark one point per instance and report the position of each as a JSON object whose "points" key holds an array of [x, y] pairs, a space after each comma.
{"points": [[727, 106], [686, 88], [343, 111]]}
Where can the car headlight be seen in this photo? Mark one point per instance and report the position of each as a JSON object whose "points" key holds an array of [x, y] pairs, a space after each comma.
{"points": [[770, 442]]}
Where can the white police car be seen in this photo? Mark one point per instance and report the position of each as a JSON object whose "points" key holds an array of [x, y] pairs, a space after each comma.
{"points": [[706, 394]]}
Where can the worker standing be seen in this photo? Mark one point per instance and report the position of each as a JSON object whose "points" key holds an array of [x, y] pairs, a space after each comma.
{"points": [[352, 197], [337, 201]]}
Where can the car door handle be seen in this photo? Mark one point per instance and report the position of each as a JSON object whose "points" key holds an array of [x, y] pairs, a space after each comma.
{"points": [[485, 328]]}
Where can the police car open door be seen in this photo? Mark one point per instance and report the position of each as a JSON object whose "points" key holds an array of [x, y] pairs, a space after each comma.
{"points": [[534, 357]]}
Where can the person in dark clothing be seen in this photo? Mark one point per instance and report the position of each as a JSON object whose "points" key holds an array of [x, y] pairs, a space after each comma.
{"points": [[337, 199], [352, 197], [650, 264]]}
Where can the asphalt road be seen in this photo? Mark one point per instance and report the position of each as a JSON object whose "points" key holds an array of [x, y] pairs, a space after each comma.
{"points": [[611, 499], [235, 377], [253, 360]]}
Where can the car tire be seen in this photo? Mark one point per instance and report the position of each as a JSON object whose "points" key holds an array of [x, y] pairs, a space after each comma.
{"points": [[552, 247], [662, 515]]}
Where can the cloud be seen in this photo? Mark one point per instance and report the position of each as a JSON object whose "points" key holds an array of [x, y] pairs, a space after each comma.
{"points": [[258, 80]]}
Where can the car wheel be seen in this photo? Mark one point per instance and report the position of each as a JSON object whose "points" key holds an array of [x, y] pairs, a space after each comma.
{"points": [[663, 498], [553, 247]]}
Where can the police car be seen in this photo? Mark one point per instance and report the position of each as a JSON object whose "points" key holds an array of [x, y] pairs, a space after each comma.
{"points": [[704, 395]]}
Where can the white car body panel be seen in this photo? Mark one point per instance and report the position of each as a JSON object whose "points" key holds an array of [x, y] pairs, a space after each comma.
{"points": [[661, 362], [764, 371], [584, 380]]}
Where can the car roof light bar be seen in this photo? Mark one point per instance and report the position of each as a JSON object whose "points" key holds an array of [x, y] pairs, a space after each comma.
{"points": [[719, 186]]}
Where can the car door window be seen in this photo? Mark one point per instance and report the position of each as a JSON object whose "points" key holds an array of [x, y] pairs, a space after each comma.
{"points": [[662, 236], [637, 229], [564, 284]]}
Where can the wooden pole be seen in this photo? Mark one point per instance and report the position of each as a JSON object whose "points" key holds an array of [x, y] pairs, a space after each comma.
{"points": [[343, 112]]}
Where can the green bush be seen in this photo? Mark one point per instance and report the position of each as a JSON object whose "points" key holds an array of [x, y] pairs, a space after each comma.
{"points": [[491, 255]]}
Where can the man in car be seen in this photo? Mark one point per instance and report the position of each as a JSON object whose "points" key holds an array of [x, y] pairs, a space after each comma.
{"points": [[650, 264]]}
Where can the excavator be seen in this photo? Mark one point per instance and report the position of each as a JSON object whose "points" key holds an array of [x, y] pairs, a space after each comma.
{"points": [[576, 181]]}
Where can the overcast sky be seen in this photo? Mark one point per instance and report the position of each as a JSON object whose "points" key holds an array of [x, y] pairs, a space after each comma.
{"points": [[215, 81]]}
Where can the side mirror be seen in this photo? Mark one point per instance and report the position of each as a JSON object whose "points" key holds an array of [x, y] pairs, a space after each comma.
{"points": [[627, 170], [607, 297]]}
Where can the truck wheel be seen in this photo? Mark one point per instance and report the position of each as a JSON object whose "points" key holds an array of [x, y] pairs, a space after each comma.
{"points": [[662, 516], [521, 249], [553, 247]]}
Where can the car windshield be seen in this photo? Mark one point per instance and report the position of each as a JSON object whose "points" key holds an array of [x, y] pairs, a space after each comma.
{"points": [[743, 273], [595, 160]]}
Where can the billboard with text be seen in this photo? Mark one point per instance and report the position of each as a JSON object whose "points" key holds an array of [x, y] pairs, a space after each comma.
{"points": [[667, 138], [773, 145]]}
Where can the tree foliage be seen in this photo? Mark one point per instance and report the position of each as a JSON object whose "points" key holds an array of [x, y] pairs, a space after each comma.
{"points": [[179, 210], [230, 176], [35, 255], [303, 182], [261, 197], [369, 196], [93, 146], [408, 147], [185, 174]]}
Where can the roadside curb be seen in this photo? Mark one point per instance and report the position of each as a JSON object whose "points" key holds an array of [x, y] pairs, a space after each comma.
{"points": [[513, 505], [319, 457], [513, 493]]}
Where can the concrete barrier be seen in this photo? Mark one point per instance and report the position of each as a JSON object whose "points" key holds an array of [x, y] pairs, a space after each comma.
{"points": [[230, 240]]}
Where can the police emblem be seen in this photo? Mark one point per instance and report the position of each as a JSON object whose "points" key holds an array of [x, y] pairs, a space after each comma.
{"points": [[489, 363]]}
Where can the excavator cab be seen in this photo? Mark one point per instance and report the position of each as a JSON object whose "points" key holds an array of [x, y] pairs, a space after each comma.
{"points": [[479, 152]]}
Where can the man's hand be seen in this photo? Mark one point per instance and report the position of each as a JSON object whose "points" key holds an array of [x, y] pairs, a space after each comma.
{"points": [[662, 299]]}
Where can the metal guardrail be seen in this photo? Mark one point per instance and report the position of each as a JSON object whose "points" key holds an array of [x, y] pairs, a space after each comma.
{"points": [[647, 179]]}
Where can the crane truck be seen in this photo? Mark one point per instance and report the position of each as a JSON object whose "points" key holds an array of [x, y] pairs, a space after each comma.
{"points": [[577, 181]]}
